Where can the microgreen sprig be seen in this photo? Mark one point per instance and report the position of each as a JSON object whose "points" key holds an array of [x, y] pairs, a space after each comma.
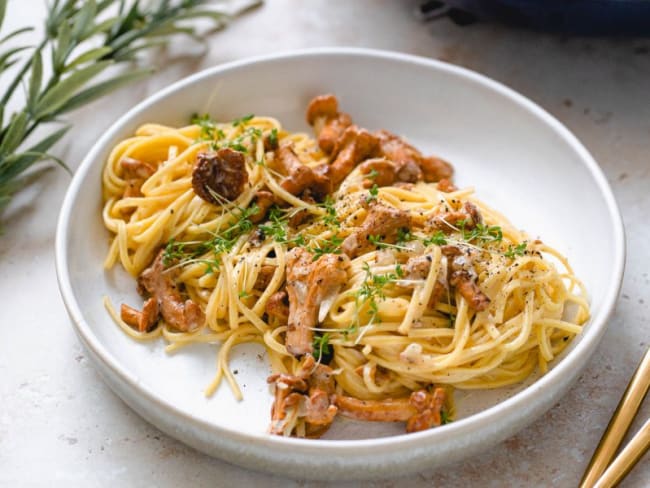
{"points": [[321, 346], [480, 233], [372, 193], [277, 228], [184, 253], [518, 250], [328, 246], [370, 292], [330, 218]]}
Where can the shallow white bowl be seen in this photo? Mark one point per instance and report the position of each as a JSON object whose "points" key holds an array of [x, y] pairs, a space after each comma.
{"points": [[521, 160]]}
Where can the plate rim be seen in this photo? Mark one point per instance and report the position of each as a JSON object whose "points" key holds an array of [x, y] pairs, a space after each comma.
{"points": [[591, 338]]}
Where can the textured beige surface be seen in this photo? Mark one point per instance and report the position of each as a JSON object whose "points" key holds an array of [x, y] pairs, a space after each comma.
{"points": [[58, 421]]}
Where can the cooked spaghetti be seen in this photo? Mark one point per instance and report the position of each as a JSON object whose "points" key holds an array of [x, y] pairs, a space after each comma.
{"points": [[374, 283]]}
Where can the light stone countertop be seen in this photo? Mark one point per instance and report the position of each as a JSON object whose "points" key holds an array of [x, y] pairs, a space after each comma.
{"points": [[60, 425]]}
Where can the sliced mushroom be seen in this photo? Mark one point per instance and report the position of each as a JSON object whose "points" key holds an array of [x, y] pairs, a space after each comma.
{"points": [[405, 156], [429, 407], [219, 175], [288, 393], [301, 318], [390, 410]]}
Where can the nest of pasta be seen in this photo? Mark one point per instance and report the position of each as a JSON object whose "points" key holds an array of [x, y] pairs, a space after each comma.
{"points": [[375, 284]]}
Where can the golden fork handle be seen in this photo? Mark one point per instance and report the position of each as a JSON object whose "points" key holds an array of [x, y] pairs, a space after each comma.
{"points": [[626, 460], [619, 424]]}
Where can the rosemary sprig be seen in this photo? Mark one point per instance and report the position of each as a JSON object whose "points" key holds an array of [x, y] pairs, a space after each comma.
{"points": [[82, 40]]}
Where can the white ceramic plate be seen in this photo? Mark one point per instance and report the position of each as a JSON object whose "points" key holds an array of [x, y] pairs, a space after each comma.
{"points": [[521, 160]]}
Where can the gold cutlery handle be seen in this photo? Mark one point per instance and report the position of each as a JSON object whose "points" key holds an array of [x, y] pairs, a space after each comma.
{"points": [[619, 424], [626, 460]]}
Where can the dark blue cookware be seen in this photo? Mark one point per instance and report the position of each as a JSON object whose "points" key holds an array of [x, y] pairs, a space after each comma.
{"points": [[583, 17]]}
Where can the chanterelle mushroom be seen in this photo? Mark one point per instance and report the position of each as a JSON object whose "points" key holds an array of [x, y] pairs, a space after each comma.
{"points": [[307, 396], [135, 174], [381, 222], [183, 315], [310, 283], [412, 166], [469, 215], [328, 122], [142, 321], [352, 147], [462, 275], [300, 177], [219, 175], [378, 171], [263, 199], [278, 306], [420, 411]]}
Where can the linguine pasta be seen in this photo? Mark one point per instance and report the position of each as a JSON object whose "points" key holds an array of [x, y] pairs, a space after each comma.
{"points": [[444, 301]]}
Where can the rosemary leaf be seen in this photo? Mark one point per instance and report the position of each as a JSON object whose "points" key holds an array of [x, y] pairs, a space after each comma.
{"points": [[15, 34], [6, 58], [35, 81], [82, 21], [58, 95], [88, 56], [101, 89], [3, 11], [15, 133]]}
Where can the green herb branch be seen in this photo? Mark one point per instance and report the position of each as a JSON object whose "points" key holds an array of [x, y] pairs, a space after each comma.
{"points": [[82, 39]]}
